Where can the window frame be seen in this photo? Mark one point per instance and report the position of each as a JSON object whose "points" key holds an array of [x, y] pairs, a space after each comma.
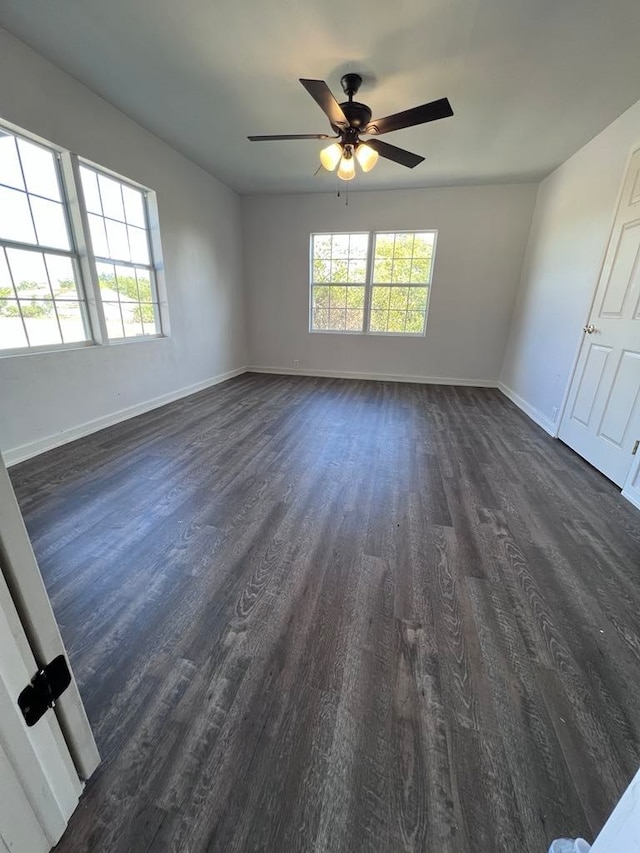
{"points": [[369, 284], [81, 252]]}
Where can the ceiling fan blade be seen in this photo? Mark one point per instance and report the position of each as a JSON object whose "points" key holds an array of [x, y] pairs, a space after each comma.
{"points": [[290, 136], [418, 115], [321, 94], [398, 155]]}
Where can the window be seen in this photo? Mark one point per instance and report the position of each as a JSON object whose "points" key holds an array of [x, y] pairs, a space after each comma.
{"points": [[63, 283], [383, 291], [41, 299], [120, 238]]}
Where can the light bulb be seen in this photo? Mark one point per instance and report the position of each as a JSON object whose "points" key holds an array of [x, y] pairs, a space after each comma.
{"points": [[330, 156], [367, 157], [347, 167]]}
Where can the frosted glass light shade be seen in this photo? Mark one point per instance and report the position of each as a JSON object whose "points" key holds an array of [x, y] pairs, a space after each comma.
{"points": [[347, 169], [367, 157], [330, 156]]}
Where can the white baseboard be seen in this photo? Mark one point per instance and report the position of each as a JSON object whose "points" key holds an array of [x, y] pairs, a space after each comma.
{"points": [[379, 377], [33, 448], [633, 496], [542, 420]]}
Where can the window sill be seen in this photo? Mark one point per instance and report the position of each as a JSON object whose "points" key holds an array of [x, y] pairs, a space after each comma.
{"points": [[368, 334], [48, 350]]}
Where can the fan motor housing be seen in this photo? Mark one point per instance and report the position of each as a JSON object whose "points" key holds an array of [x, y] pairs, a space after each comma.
{"points": [[358, 115]]}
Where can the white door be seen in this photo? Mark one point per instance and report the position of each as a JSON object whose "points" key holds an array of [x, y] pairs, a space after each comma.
{"points": [[41, 766], [601, 420], [39, 785]]}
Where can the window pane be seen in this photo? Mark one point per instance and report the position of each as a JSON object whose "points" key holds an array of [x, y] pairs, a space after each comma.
{"points": [[111, 196], [396, 321], [41, 322], [358, 246], [322, 246], [401, 271], [10, 173], [107, 282], [420, 270], [320, 318], [64, 283], [321, 297], [71, 323], [340, 246], [117, 239], [138, 245], [131, 318], [15, 217], [127, 284], [338, 297], [378, 320], [415, 322], [134, 206], [321, 270], [384, 245], [113, 319], [355, 297], [29, 274], [50, 225], [423, 246], [380, 298], [98, 236], [12, 332], [383, 270], [418, 298], [339, 270], [403, 247], [144, 285], [354, 320], [337, 319], [398, 298], [90, 189], [357, 271], [40, 170], [146, 312]]}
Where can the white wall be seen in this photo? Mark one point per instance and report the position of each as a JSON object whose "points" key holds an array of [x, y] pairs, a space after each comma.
{"points": [[44, 396], [571, 225], [482, 233]]}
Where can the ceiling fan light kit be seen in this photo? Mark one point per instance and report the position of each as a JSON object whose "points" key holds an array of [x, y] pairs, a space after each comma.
{"points": [[350, 119]]}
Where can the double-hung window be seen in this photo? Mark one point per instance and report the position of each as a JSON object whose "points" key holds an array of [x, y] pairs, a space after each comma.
{"points": [[375, 283], [72, 274], [42, 300]]}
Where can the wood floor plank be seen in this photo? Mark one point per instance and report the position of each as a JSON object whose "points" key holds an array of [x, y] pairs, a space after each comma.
{"points": [[335, 616]]}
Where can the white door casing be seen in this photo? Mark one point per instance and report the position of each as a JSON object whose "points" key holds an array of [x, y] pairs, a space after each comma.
{"points": [[601, 419]]}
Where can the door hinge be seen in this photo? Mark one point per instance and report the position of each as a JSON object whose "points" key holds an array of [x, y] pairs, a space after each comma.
{"points": [[636, 444], [47, 685]]}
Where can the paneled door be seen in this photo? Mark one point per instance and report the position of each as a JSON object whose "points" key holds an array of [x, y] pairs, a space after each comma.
{"points": [[601, 420]]}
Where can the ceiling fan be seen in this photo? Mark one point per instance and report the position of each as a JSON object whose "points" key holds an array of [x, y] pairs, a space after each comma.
{"points": [[351, 119]]}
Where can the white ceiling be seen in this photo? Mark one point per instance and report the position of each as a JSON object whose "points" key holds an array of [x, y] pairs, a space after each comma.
{"points": [[530, 81]]}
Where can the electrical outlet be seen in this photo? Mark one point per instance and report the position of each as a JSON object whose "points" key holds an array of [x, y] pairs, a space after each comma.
{"points": [[554, 414], [296, 364]]}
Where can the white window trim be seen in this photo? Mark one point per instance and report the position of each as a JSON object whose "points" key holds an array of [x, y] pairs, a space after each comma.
{"points": [[369, 284], [81, 250]]}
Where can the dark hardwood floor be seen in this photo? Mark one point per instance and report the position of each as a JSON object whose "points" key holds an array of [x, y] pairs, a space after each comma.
{"points": [[340, 616]]}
